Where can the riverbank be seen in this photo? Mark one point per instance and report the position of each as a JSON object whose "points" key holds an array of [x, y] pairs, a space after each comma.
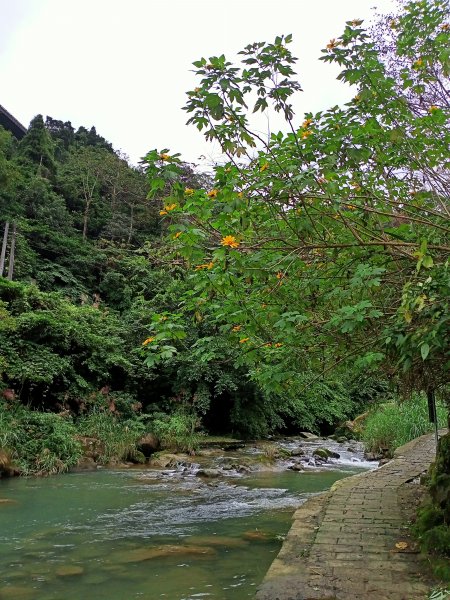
{"points": [[352, 542]]}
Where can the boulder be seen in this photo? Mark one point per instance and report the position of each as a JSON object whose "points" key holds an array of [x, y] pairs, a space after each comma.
{"points": [[165, 461], [325, 454], [306, 435], [7, 469], [148, 444], [297, 452], [93, 448], [209, 473], [69, 570], [142, 554]]}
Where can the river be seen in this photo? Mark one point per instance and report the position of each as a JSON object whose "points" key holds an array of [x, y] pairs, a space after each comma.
{"points": [[138, 533]]}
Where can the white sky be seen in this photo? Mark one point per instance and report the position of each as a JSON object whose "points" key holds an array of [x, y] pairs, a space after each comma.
{"points": [[124, 65]]}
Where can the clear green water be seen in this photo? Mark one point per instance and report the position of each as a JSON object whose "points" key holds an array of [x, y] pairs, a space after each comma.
{"points": [[118, 534]]}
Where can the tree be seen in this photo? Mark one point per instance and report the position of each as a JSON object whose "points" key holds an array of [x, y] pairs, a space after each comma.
{"points": [[37, 148], [327, 245]]}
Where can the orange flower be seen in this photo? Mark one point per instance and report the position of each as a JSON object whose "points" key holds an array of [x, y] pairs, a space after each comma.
{"points": [[306, 123], [163, 212], [445, 27], [229, 240], [305, 134], [243, 340], [209, 265], [212, 194], [170, 207], [148, 341], [177, 235], [278, 345], [332, 44], [236, 328]]}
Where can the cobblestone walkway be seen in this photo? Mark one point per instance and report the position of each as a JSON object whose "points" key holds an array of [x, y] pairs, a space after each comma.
{"points": [[342, 544]]}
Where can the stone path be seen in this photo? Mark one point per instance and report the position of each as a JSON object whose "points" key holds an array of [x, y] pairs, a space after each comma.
{"points": [[342, 544]]}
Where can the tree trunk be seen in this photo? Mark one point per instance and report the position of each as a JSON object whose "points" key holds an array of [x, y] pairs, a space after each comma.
{"points": [[86, 218], [12, 253], [5, 243], [130, 231]]}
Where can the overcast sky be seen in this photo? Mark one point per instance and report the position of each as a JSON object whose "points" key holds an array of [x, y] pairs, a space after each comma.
{"points": [[124, 65]]}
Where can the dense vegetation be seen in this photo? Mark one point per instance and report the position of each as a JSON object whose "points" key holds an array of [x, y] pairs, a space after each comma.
{"points": [[303, 280]]}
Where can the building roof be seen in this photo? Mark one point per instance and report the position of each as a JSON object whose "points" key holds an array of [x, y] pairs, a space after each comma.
{"points": [[11, 124]]}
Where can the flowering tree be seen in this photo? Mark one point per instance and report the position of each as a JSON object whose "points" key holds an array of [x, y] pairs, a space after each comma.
{"points": [[326, 244]]}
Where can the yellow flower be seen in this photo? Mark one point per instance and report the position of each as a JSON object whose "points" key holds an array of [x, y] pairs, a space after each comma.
{"points": [[332, 44], [433, 108], [163, 318], [212, 193], [445, 27], [418, 63], [356, 186], [163, 156], [240, 194], [263, 305], [197, 90], [229, 240], [177, 235], [306, 134], [280, 275], [148, 341], [278, 345], [163, 212], [356, 22], [264, 167], [357, 98], [306, 123], [170, 207], [236, 328], [243, 340], [350, 207], [188, 191], [268, 345]]}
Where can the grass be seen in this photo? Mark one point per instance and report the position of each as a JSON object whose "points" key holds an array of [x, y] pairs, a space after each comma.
{"points": [[38, 443], [392, 425], [117, 437]]}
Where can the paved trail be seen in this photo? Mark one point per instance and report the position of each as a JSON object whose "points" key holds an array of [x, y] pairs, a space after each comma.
{"points": [[342, 544]]}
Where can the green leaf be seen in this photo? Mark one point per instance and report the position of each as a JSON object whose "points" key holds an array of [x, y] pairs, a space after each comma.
{"points": [[424, 350]]}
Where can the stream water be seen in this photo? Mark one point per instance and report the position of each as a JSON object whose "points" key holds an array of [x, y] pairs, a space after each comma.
{"points": [[124, 534]]}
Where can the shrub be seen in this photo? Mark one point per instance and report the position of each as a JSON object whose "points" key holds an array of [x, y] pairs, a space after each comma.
{"points": [[118, 437], [39, 443], [392, 425], [177, 431]]}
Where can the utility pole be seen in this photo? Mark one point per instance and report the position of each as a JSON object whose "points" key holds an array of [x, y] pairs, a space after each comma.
{"points": [[11, 253], [4, 245]]}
